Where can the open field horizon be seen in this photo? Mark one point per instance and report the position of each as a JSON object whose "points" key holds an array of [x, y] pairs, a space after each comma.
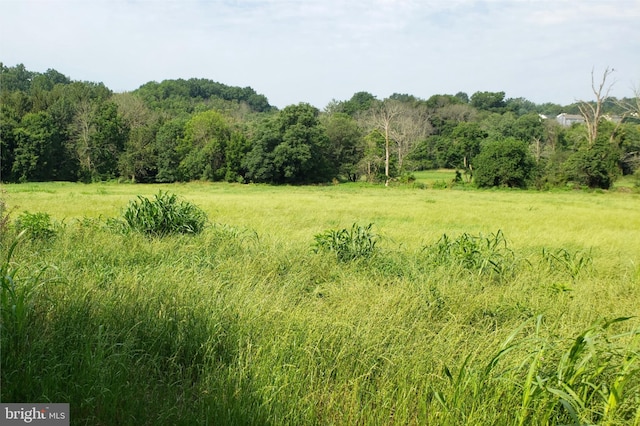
{"points": [[404, 214], [526, 313]]}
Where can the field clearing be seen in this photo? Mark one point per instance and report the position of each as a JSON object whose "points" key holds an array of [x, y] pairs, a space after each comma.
{"points": [[246, 324], [406, 216]]}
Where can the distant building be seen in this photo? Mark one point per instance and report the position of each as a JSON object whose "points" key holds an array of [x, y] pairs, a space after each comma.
{"points": [[613, 118], [567, 120]]}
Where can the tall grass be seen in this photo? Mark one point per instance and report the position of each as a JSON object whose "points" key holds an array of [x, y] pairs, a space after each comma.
{"points": [[243, 324]]}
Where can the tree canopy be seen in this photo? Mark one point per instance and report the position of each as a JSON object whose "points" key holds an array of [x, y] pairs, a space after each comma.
{"points": [[55, 128]]}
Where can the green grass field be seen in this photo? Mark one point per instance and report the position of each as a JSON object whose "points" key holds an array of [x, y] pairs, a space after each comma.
{"points": [[525, 313]]}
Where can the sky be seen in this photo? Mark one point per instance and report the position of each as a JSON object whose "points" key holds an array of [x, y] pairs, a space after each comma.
{"points": [[317, 51]]}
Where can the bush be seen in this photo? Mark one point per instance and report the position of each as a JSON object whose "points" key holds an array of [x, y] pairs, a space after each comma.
{"points": [[348, 245], [164, 215]]}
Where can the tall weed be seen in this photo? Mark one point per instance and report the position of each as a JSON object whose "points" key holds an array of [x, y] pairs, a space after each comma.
{"points": [[348, 244], [485, 254], [567, 262], [37, 226], [4, 213], [164, 215], [18, 293], [593, 381]]}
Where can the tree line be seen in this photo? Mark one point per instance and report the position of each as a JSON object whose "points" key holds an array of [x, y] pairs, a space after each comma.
{"points": [[54, 128]]}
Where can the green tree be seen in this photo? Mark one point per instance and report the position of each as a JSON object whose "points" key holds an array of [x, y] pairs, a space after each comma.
{"points": [[372, 164], [596, 165], [16, 78], [168, 158], [138, 161], [237, 149], [36, 145], [520, 106], [357, 104], [290, 147], [505, 162], [108, 141], [489, 101], [203, 147], [465, 142], [9, 121], [346, 144]]}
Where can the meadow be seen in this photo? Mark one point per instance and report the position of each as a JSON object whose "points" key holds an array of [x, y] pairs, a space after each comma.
{"points": [[499, 307]]}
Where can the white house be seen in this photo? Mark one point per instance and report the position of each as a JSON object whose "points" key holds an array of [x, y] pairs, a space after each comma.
{"points": [[567, 120]]}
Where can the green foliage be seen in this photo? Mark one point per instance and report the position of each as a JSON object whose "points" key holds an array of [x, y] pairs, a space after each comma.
{"points": [[18, 297], [346, 144], [359, 242], [595, 166], [291, 147], [484, 254], [4, 214], [57, 129], [359, 103], [571, 263], [182, 95], [504, 162], [167, 139], [595, 380], [164, 215], [37, 226], [203, 148], [488, 101]]}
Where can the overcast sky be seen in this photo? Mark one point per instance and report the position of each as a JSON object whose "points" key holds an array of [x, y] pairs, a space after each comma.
{"points": [[317, 50]]}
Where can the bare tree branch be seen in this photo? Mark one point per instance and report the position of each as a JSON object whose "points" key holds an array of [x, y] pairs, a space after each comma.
{"points": [[591, 113]]}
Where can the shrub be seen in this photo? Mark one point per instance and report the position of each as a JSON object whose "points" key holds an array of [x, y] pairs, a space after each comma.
{"points": [[407, 178], [164, 215], [37, 226], [358, 242]]}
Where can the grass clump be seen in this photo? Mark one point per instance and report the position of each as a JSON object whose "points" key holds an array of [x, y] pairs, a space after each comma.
{"points": [[595, 380], [37, 226], [19, 290], [571, 263], [164, 215], [359, 242], [484, 254], [4, 214]]}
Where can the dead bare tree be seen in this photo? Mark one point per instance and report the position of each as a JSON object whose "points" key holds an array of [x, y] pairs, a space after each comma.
{"points": [[401, 124], [409, 127], [382, 116], [632, 107], [592, 113]]}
